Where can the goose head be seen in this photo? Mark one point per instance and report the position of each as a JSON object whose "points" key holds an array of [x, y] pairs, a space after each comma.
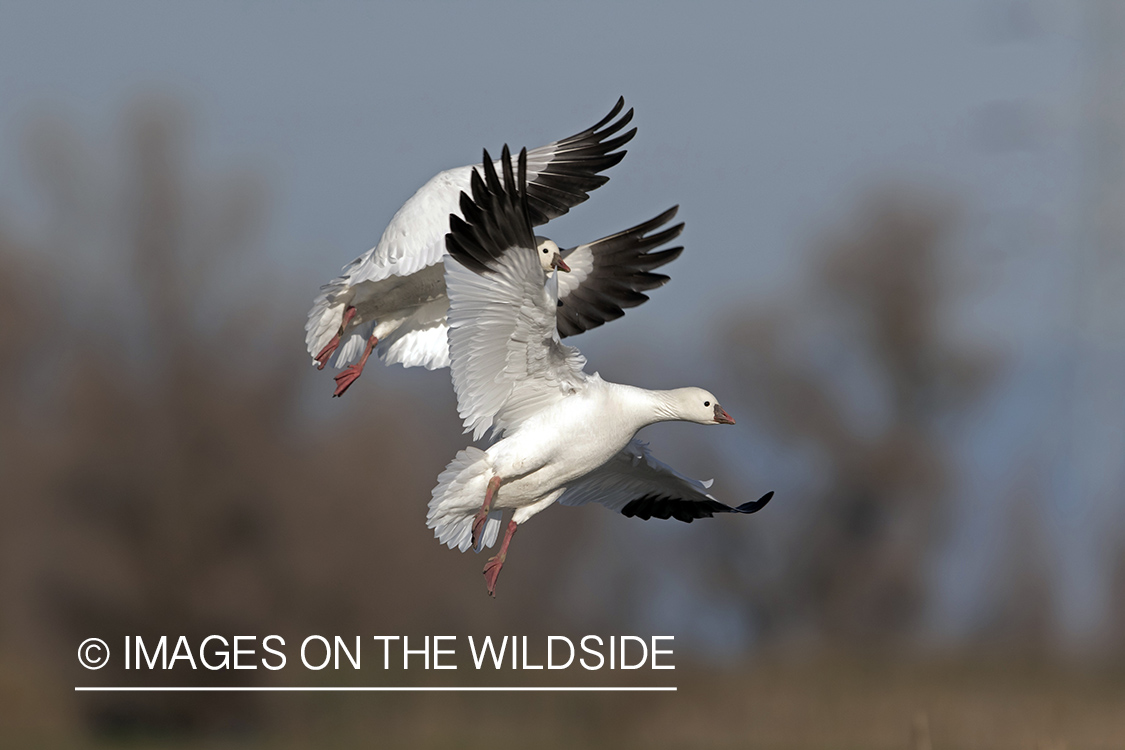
{"points": [[550, 257], [700, 406]]}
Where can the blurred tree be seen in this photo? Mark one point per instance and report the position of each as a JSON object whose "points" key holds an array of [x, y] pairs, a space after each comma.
{"points": [[178, 485], [858, 375], [23, 314], [166, 453], [182, 488]]}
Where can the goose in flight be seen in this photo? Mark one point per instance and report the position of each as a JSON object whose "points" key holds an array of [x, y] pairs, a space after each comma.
{"points": [[391, 300], [559, 434]]}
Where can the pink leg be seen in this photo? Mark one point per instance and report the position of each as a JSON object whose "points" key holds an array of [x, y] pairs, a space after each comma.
{"points": [[349, 375], [492, 567], [326, 352], [482, 514]]}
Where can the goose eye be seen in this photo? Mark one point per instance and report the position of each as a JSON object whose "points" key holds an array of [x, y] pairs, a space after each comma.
{"points": [[706, 403]]}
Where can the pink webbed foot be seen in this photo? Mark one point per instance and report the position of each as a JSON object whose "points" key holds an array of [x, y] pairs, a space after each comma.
{"points": [[491, 573], [494, 564], [345, 378], [482, 514], [349, 375]]}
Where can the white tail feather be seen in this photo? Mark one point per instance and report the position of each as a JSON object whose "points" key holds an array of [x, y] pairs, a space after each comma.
{"points": [[352, 345], [457, 498], [326, 315], [324, 322], [491, 530]]}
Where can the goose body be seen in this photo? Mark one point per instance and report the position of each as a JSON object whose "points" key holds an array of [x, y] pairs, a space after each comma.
{"points": [[541, 455], [559, 434]]}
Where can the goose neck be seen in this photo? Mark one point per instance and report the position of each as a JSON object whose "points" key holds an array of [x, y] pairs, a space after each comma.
{"points": [[649, 407]]}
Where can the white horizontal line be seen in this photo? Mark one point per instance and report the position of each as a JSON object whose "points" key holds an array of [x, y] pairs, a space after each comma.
{"points": [[343, 689]]}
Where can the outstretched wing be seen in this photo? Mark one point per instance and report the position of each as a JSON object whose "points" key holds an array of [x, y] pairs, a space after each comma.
{"points": [[560, 175], [634, 483], [611, 274], [505, 356]]}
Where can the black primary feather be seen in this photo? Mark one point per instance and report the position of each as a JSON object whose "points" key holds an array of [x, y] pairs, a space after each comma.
{"points": [[655, 506], [574, 169], [621, 273], [495, 217]]}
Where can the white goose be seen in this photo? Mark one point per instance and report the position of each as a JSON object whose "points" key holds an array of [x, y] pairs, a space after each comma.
{"points": [[393, 296], [563, 435]]}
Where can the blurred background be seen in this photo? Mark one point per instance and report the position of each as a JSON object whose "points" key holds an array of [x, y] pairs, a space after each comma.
{"points": [[903, 275]]}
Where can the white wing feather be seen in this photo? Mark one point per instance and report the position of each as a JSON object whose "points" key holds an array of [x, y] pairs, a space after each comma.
{"points": [[415, 236], [581, 263], [421, 341], [507, 360]]}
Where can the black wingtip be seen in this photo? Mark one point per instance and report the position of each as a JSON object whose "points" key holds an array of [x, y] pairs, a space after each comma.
{"points": [[625, 120], [521, 187], [476, 182], [573, 165], [494, 218], [756, 505], [612, 113]]}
